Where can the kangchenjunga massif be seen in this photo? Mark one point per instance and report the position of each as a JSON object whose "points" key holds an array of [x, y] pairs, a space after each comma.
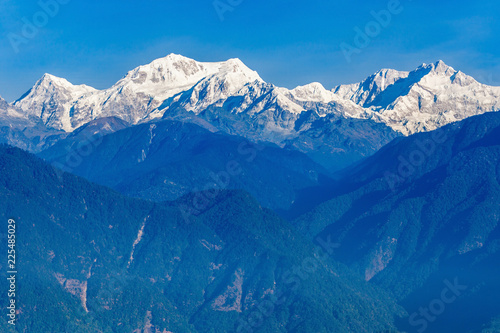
{"points": [[196, 197]]}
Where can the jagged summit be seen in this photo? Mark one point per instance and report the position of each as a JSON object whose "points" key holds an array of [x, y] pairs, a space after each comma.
{"points": [[50, 99], [420, 100], [177, 71], [364, 92], [424, 99], [173, 71], [48, 80], [63, 105], [313, 92], [439, 67]]}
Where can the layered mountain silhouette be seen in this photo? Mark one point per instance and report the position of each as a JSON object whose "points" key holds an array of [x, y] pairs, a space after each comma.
{"points": [[421, 210], [93, 260], [168, 159], [196, 197]]}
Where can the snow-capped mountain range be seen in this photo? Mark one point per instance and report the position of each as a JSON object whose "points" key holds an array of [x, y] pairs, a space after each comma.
{"points": [[62, 105], [429, 97], [13, 116], [230, 97]]}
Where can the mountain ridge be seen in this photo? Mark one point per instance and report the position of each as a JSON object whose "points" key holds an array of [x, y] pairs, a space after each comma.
{"points": [[421, 210], [334, 127], [94, 260], [144, 93], [143, 88]]}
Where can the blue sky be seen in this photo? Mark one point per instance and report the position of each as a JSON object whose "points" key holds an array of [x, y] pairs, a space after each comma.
{"points": [[288, 42]]}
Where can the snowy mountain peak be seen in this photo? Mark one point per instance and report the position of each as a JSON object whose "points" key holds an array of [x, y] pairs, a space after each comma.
{"points": [[165, 77], [51, 96], [441, 75], [439, 68], [386, 77], [426, 98], [432, 96], [6, 110], [441, 65], [63, 105], [176, 57], [313, 92], [229, 80], [365, 92], [49, 81], [168, 72], [170, 59], [235, 65]]}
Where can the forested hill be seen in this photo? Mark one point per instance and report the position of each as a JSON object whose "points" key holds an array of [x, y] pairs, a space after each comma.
{"points": [[92, 260]]}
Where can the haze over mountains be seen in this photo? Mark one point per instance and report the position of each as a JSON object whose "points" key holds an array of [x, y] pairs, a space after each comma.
{"points": [[95, 261], [168, 159], [195, 197], [390, 242], [408, 223]]}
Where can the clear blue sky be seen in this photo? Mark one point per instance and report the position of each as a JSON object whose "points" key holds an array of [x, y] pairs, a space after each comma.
{"points": [[288, 42]]}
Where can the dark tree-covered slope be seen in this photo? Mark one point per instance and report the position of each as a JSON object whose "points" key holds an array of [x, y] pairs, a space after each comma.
{"points": [[422, 210], [165, 160], [92, 260]]}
